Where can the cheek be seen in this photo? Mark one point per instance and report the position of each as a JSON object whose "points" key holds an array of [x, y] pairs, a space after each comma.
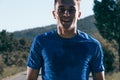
{"points": [[58, 19]]}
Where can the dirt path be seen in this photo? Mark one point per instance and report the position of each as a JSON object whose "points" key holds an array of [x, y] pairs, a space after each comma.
{"points": [[22, 75], [19, 76]]}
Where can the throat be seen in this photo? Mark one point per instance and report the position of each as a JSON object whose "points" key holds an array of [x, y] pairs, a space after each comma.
{"points": [[67, 34]]}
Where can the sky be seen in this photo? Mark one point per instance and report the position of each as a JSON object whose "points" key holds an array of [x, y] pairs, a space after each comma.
{"points": [[16, 15]]}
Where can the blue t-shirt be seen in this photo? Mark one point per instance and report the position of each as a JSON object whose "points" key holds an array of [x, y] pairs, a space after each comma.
{"points": [[66, 58]]}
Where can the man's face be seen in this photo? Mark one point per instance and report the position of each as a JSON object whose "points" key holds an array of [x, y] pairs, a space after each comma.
{"points": [[66, 13]]}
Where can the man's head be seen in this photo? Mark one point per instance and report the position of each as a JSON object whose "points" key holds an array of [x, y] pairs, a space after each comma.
{"points": [[66, 12]]}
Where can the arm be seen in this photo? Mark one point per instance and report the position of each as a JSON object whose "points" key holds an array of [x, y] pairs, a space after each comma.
{"points": [[99, 76], [97, 65], [32, 74], [35, 60]]}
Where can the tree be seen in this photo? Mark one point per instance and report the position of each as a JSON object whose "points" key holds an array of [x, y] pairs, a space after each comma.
{"points": [[9, 45], [107, 15]]}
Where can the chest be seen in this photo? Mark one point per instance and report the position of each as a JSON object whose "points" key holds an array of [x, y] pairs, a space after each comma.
{"points": [[67, 54]]}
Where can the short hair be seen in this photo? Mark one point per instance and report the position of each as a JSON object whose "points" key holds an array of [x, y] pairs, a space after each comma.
{"points": [[78, 2]]}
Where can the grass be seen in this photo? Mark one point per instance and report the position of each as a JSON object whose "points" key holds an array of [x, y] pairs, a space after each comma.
{"points": [[113, 76], [8, 71]]}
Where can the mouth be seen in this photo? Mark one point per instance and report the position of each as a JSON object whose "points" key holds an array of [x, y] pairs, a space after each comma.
{"points": [[66, 21]]}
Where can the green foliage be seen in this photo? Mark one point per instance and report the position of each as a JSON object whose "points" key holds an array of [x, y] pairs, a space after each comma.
{"points": [[6, 41], [109, 60], [107, 15], [1, 65], [13, 51]]}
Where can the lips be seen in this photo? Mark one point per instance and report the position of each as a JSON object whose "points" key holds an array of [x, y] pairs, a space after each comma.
{"points": [[66, 21]]}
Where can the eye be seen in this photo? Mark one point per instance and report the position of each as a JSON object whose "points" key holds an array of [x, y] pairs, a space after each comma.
{"points": [[61, 10], [72, 10]]}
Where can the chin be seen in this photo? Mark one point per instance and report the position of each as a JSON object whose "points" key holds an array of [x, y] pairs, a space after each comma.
{"points": [[66, 26]]}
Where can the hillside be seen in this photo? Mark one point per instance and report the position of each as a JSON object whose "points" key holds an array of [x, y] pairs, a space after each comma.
{"points": [[86, 25]]}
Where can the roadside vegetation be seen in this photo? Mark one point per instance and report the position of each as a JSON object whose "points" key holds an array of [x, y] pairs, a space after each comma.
{"points": [[107, 21], [113, 76], [13, 54]]}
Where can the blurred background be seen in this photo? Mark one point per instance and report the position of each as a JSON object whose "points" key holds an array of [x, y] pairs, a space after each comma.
{"points": [[21, 21]]}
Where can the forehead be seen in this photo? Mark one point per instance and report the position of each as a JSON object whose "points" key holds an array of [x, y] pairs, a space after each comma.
{"points": [[66, 3]]}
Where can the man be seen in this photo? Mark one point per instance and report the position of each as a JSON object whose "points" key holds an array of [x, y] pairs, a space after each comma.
{"points": [[65, 53]]}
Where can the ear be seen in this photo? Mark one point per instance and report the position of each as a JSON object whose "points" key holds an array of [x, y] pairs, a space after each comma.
{"points": [[53, 12], [79, 14]]}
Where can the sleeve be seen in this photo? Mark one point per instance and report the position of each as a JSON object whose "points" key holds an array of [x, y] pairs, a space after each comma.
{"points": [[35, 57], [96, 63]]}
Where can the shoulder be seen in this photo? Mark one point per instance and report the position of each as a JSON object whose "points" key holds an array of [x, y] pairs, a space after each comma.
{"points": [[87, 38], [46, 35]]}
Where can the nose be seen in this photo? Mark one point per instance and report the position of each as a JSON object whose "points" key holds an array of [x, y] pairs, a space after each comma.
{"points": [[66, 13]]}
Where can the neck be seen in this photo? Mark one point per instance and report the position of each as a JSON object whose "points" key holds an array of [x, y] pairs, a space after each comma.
{"points": [[67, 33]]}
